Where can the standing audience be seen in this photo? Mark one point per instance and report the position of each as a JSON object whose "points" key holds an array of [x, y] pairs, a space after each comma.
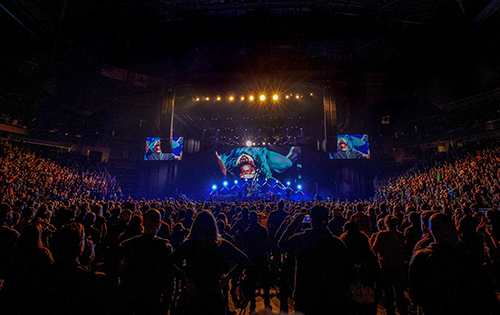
{"points": [[53, 215]]}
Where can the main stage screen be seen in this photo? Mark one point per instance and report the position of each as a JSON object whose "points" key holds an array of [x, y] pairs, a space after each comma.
{"points": [[281, 163], [352, 147], [158, 149]]}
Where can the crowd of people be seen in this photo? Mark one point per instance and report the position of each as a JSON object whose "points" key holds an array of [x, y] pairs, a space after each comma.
{"points": [[4, 118], [434, 235], [62, 176]]}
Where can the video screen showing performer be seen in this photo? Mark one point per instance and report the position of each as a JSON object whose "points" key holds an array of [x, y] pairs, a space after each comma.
{"points": [[258, 163], [158, 149], [352, 147]]}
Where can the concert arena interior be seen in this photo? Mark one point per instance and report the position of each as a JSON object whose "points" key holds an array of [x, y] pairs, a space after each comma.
{"points": [[250, 157]]}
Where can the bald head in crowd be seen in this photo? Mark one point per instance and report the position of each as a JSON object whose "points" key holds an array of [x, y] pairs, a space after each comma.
{"points": [[443, 229]]}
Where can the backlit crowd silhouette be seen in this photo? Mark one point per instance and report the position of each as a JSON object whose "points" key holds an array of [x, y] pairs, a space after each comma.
{"points": [[71, 244]]}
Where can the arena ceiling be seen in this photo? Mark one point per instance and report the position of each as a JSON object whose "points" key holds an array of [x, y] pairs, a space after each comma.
{"points": [[63, 44], [231, 35]]}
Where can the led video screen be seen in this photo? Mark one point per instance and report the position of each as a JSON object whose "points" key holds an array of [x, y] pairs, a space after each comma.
{"points": [[260, 163], [352, 147], [158, 149]]}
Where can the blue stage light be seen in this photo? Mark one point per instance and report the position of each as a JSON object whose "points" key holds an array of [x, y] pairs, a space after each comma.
{"points": [[225, 183], [236, 182], [288, 183], [299, 186], [214, 187]]}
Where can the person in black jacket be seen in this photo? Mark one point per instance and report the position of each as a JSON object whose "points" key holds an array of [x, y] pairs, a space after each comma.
{"points": [[147, 275], [324, 271], [255, 244], [442, 279], [206, 261], [69, 288]]}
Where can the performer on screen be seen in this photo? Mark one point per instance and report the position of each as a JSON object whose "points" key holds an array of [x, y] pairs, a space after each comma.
{"points": [[346, 148], [153, 151], [256, 162], [246, 164]]}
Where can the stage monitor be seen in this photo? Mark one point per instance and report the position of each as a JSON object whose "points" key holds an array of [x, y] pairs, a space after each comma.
{"points": [[351, 147], [260, 163], [158, 149]]}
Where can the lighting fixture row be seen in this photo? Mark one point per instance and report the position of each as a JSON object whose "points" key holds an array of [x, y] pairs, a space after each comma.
{"points": [[226, 184], [251, 98]]}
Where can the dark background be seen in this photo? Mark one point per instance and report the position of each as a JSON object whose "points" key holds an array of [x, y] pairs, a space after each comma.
{"points": [[430, 66]]}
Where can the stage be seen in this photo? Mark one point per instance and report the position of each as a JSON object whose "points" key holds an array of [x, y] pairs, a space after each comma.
{"points": [[199, 176]]}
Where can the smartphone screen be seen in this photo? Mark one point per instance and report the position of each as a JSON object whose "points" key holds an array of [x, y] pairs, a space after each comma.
{"points": [[307, 219]]}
